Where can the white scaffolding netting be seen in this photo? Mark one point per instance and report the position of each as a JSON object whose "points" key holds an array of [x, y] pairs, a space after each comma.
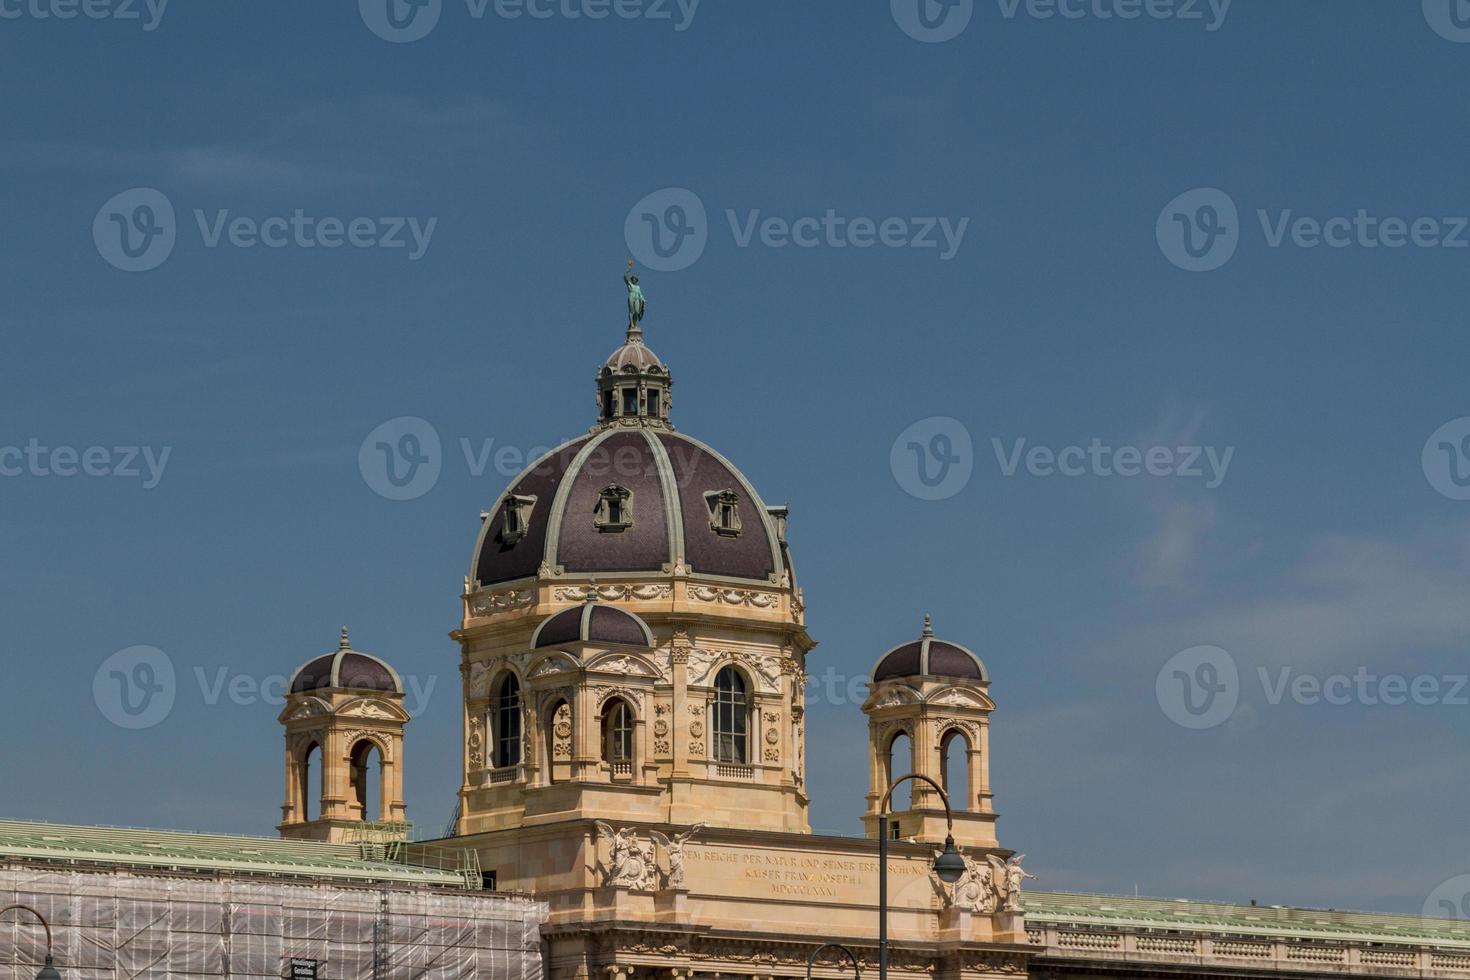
{"points": [[122, 925]]}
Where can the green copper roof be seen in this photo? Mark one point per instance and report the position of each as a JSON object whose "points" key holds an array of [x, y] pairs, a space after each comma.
{"points": [[206, 853], [1062, 908]]}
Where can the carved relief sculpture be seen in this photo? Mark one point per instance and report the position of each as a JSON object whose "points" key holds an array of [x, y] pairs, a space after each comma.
{"points": [[674, 848]]}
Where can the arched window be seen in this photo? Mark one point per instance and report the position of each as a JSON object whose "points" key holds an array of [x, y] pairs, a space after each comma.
{"points": [[617, 735], [305, 789], [367, 780], [732, 716], [508, 723], [900, 762], [954, 768]]}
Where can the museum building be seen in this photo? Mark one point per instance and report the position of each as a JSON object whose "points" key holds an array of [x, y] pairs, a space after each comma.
{"points": [[634, 804]]}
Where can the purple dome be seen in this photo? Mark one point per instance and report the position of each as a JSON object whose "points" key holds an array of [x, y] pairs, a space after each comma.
{"points": [[929, 657], [592, 622], [629, 500], [346, 669]]}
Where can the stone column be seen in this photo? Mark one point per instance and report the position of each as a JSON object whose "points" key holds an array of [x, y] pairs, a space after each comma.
{"points": [[679, 712], [980, 770], [926, 752], [584, 732]]}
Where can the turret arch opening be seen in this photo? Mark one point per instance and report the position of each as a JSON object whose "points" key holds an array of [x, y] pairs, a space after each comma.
{"points": [[954, 768], [367, 776]]}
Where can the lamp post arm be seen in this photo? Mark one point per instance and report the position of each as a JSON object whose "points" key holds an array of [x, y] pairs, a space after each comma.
{"points": [[856, 970], [39, 918], [943, 796]]}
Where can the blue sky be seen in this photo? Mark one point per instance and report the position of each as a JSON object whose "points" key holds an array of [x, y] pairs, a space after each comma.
{"points": [[1067, 148]]}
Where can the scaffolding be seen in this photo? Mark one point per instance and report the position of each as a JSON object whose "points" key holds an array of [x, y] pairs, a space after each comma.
{"points": [[121, 924]]}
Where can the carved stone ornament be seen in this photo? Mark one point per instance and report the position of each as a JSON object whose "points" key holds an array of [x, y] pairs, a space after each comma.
{"points": [[489, 605], [975, 889], [553, 665], [370, 709], [630, 862], [613, 593], [734, 597], [958, 698], [385, 746]]}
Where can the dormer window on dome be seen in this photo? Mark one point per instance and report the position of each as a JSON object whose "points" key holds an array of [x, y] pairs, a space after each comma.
{"points": [[614, 509], [516, 517], [724, 512]]}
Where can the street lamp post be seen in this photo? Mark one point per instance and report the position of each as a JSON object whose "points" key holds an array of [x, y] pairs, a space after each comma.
{"points": [[856, 970], [48, 972], [949, 865]]}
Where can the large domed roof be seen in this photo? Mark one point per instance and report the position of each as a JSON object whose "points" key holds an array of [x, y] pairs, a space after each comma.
{"points": [[929, 657], [346, 669], [684, 504], [633, 496]]}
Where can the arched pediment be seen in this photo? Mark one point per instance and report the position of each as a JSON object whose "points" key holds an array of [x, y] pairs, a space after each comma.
{"points": [[889, 695], [554, 663], [961, 697], [373, 709], [628, 664], [299, 708]]}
